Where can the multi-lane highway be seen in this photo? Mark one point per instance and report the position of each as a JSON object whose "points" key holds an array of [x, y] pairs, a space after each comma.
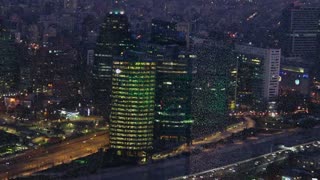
{"points": [[211, 157], [43, 158], [40, 159], [259, 163]]}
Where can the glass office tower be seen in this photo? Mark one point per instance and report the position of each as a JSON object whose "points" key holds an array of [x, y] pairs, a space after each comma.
{"points": [[173, 119], [132, 105], [113, 40]]}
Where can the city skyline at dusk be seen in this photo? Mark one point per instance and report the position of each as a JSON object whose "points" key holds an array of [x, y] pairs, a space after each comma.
{"points": [[161, 89]]}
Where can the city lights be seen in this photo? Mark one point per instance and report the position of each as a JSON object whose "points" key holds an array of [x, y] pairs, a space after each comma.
{"points": [[159, 89]]}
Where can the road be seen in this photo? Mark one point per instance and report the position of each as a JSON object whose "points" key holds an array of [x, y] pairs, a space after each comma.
{"points": [[209, 158], [44, 158], [236, 128], [79, 119], [260, 163], [233, 129]]}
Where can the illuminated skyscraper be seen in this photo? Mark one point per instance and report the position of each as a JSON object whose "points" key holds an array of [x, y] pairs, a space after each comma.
{"points": [[250, 82], [173, 119], [214, 86], [132, 107], [113, 40], [270, 58]]}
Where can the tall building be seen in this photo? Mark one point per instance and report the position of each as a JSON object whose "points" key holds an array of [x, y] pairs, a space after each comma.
{"points": [[300, 26], [214, 86], [173, 119], [301, 46], [113, 40], [132, 112], [270, 58], [250, 82], [9, 66]]}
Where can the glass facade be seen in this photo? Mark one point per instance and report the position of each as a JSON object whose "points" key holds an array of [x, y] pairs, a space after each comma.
{"points": [[250, 82], [214, 86], [132, 111], [173, 119], [114, 39]]}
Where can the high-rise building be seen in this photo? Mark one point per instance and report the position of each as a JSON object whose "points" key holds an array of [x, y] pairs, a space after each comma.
{"points": [[9, 66], [300, 28], [250, 82], [214, 86], [300, 45], [132, 107], [113, 40], [270, 58], [173, 119]]}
